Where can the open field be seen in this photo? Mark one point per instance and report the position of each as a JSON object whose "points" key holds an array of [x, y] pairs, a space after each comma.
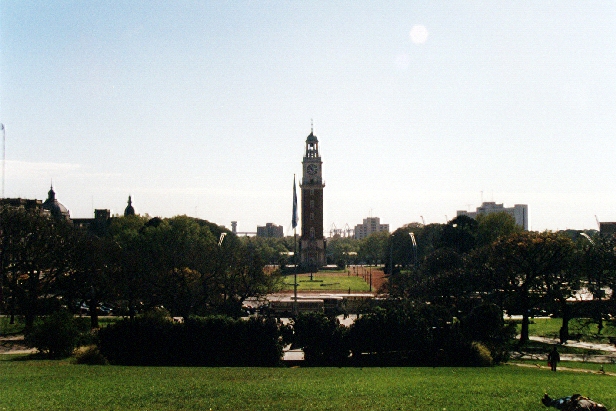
{"points": [[328, 281], [60, 385]]}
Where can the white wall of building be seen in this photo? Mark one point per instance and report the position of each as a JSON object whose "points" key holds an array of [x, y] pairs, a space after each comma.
{"points": [[519, 212]]}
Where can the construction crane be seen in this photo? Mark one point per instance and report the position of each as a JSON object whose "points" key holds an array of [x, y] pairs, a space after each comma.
{"points": [[332, 230], [348, 231], [341, 232]]}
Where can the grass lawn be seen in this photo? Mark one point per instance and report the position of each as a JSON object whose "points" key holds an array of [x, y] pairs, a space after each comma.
{"points": [[60, 385], [328, 281], [549, 327], [587, 366]]}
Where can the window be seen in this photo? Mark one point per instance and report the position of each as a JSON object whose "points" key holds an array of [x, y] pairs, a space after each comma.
{"points": [[312, 216], [311, 232], [312, 191], [311, 203]]}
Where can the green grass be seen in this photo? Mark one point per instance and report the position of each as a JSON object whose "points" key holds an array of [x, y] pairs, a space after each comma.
{"points": [[549, 327], [576, 365], [60, 385], [327, 281], [6, 328]]}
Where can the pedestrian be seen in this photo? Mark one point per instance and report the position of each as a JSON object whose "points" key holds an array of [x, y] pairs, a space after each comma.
{"points": [[553, 358]]}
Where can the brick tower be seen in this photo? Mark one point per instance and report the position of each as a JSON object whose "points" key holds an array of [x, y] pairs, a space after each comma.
{"points": [[312, 243]]}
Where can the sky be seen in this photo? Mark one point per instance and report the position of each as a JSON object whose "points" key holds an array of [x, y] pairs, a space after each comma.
{"points": [[421, 108]]}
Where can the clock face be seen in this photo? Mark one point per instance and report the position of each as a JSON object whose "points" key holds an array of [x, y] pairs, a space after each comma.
{"points": [[312, 169]]}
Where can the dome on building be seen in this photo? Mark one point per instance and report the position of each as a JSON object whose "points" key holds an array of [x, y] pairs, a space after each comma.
{"points": [[55, 208], [312, 138], [129, 210]]}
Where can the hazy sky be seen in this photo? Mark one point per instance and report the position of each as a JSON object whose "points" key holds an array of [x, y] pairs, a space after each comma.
{"points": [[421, 108]]}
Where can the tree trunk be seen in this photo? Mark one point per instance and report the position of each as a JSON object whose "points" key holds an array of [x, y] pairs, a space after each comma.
{"points": [[131, 309], [94, 313], [564, 329], [524, 332], [32, 300]]}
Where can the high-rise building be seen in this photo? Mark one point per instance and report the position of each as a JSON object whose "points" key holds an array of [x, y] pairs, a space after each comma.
{"points": [[519, 212], [270, 230], [369, 226], [312, 242]]}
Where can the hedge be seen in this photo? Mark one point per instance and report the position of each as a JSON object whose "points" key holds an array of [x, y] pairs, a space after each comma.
{"points": [[207, 341]]}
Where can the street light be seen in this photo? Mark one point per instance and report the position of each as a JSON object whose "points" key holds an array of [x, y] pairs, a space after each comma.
{"points": [[588, 238], [414, 248]]}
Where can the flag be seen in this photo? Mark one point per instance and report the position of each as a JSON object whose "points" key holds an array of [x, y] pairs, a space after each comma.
{"points": [[294, 218]]}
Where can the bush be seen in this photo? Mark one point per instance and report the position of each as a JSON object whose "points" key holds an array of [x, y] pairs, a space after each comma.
{"points": [[483, 356], [90, 355], [55, 335], [208, 341], [485, 324], [321, 338]]}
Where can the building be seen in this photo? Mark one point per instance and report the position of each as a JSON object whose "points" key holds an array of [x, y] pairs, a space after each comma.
{"points": [[55, 208], [312, 242], [51, 206], [269, 230], [369, 226], [607, 228], [129, 210], [519, 212], [98, 224], [28, 205]]}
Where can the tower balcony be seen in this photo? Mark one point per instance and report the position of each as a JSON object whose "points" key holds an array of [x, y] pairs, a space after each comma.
{"points": [[313, 181]]}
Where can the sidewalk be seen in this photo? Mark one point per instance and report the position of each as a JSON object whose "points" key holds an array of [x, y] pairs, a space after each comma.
{"points": [[609, 358]]}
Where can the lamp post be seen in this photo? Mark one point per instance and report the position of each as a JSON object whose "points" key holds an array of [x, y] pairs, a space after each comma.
{"points": [[414, 248]]}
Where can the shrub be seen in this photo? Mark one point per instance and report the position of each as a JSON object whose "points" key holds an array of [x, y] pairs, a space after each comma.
{"points": [[208, 341], [483, 356], [321, 338], [485, 324], [55, 335], [90, 355]]}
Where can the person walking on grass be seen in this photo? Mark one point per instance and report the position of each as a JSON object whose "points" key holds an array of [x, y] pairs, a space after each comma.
{"points": [[553, 358]]}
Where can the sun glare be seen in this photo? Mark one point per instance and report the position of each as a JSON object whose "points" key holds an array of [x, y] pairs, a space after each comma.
{"points": [[419, 34]]}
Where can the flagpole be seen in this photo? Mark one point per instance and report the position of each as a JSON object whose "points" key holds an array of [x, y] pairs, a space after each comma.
{"points": [[294, 224], [295, 276]]}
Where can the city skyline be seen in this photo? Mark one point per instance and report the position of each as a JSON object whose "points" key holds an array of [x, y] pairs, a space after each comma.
{"points": [[420, 109]]}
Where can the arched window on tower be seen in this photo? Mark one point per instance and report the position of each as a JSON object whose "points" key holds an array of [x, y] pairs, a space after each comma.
{"points": [[311, 232]]}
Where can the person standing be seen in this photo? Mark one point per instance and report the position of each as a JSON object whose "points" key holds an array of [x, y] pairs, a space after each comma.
{"points": [[553, 358]]}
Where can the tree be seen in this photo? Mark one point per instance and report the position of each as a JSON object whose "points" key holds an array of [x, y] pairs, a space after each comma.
{"points": [[91, 274], [460, 234], [36, 251], [373, 249], [241, 275], [522, 265], [492, 226], [598, 263], [187, 265], [340, 250], [131, 278]]}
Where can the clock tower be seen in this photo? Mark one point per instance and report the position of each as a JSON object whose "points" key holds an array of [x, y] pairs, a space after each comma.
{"points": [[312, 243]]}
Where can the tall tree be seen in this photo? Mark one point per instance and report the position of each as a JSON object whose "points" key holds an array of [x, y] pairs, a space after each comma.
{"points": [[373, 249], [460, 234], [492, 226], [36, 250], [521, 264], [598, 263]]}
